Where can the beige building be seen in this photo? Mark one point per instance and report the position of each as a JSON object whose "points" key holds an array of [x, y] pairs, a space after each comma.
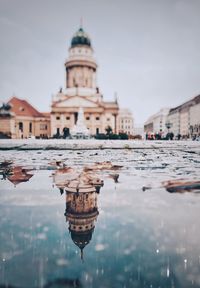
{"points": [[81, 91], [174, 119], [19, 119], [126, 121], [156, 123], [185, 119], [194, 118]]}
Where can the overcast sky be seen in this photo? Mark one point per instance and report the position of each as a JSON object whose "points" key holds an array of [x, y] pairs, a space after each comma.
{"points": [[148, 51]]}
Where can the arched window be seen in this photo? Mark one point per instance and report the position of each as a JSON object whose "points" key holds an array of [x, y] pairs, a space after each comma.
{"points": [[21, 126], [30, 127]]}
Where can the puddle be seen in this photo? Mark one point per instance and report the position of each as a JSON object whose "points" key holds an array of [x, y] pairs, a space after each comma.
{"points": [[82, 219]]}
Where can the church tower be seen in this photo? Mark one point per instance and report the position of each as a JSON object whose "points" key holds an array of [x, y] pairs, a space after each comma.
{"points": [[81, 66], [81, 91]]}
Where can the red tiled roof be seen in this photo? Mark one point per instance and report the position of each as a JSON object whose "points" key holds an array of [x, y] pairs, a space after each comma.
{"points": [[46, 114], [19, 175], [23, 108]]}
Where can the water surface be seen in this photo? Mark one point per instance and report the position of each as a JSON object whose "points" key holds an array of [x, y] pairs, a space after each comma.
{"points": [[143, 235]]}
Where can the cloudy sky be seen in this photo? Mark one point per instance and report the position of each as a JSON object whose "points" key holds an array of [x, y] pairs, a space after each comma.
{"points": [[148, 51]]}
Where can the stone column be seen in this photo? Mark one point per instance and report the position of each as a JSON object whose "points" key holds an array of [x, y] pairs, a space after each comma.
{"points": [[115, 123]]}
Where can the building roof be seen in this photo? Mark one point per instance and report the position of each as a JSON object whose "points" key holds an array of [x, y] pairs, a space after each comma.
{"points": [[161, 113], [46, 114], [110, 104], [125, 112], [195, 100], [19, 175], [23, 108], [80, 38]]}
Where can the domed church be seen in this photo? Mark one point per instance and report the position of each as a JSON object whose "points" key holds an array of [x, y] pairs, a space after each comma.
{"points": [[82, 91]]}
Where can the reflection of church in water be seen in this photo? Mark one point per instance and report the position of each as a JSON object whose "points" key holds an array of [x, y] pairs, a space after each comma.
{"points": [[81, 204], [81, 213]]}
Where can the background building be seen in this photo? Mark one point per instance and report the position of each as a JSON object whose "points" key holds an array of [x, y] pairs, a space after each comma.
{"points": [[174, 119], [19, 119], [156, 123], [139, 130], [185, 118], [183, 121], [126, 121], [82, 91], [194, 116]]}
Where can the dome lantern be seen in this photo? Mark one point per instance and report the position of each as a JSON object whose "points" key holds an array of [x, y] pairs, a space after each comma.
{"points": [[80, 38]]}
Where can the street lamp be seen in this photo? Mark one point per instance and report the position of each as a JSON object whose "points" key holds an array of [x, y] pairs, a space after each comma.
{"points": [[168, 125]]}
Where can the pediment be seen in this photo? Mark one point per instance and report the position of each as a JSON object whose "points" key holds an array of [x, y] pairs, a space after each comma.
{"points": [[77, 101]]}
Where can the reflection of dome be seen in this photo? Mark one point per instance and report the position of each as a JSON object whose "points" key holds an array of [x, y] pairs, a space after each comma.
{"points": [[81, 208], [80, 38], [81, 239]]}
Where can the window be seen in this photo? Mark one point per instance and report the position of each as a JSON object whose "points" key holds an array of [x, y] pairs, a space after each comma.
{"points": [[58, 118], [108, 119], [43, 126], [88, 118], [21, 126], [97, 118], [97, 130], [30, 127], [67, 118]]}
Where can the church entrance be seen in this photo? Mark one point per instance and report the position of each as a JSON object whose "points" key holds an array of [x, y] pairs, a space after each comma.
{"points": [[65, 132]]}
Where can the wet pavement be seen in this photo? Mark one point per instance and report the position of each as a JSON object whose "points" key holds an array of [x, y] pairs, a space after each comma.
{"points": [[130, 222]]}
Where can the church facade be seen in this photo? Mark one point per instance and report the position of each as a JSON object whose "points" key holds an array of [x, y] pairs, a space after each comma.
{"points": [[81, 91]]}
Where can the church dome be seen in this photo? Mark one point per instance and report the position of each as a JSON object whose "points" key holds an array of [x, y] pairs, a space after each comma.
{"points": [[81, 239], [80, 38]]}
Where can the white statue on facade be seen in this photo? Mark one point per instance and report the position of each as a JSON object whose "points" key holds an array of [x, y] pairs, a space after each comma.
{"points": [[80, 130]]}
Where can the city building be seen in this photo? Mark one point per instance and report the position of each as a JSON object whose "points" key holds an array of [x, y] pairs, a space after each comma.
{"points": [[82, 91], [19, 119], [139, 130], [156, 124], [125, 121], [173, 119], [194, 116], [185, 118]]}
